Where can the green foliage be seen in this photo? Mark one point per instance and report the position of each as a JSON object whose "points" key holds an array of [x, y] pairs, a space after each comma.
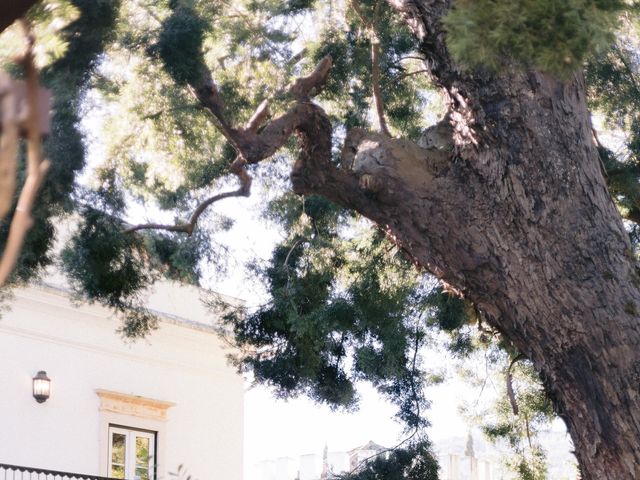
{"points": [[414, 462], [450, 310], [552, 35], [612, 81], [180, 45], [178, 256], [622, 179], [339, 312], [520, 430], [351, 53], [111, 268]]}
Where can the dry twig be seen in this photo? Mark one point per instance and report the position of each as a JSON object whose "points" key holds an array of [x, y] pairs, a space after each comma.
{"points": [[510, 392], [36, 165]]}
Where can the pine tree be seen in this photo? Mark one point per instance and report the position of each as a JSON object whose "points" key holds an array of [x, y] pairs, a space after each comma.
{"points": [[507, 199]]}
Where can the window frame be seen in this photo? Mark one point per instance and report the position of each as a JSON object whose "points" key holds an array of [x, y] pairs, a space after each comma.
{"points": [[130, 459], [134, 411]]}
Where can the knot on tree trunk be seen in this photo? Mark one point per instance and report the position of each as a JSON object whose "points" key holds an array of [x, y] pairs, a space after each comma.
{"points": [[379, 160]]}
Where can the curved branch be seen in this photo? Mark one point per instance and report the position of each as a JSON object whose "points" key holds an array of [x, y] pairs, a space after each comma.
{"points": [[190, 226]]}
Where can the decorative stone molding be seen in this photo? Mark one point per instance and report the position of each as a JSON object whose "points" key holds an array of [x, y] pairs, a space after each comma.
{"points": [[133, 405]]}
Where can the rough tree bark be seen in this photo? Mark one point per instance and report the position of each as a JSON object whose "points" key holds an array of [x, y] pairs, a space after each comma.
{"points": [[520, 221], [515, 214], [511, 210]]}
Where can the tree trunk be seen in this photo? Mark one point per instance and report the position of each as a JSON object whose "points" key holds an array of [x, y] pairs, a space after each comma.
{"points": [[507, 204], [515, 214]]}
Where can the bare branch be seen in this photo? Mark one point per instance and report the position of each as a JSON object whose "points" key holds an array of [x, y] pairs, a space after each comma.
{"points": [[510, 392], [36, 167], [374, 40], [190, 226], [375, 83]]}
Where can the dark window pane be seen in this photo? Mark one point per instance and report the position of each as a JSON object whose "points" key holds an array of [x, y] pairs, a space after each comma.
{"points": [[117, 448]]}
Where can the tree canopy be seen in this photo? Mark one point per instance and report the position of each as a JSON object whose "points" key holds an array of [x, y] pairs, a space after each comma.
{"points": [[196, 94]]}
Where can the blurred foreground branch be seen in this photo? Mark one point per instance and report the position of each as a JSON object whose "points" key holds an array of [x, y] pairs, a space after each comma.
{"points": [[24, 112]]}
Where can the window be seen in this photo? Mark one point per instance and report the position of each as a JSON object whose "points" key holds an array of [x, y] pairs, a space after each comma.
{"points": [[131, 416], [131, 453]]}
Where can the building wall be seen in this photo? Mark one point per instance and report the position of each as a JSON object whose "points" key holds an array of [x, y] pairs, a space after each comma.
{"points": [[78, 347]]}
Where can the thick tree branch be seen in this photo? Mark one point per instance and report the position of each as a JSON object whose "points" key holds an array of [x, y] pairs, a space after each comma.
{"points": [[367, 159], [251, 146], [374, 168]]}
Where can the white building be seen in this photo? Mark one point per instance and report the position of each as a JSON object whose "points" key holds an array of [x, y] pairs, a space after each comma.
{"points": [[470, 459], [314, 466], [459, 458], [166, 404], [474, 458]]}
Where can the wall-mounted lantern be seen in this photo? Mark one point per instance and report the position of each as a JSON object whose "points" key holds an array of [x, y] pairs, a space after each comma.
{"points": [[41, 386]]}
